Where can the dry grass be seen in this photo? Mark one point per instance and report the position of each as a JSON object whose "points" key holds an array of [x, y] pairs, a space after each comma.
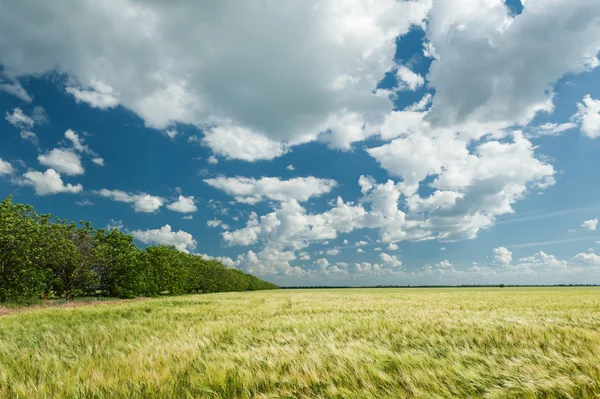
{"points": [[378, 343]]}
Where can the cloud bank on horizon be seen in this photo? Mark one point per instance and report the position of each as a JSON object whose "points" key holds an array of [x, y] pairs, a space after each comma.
{"points": [[318, 142]]}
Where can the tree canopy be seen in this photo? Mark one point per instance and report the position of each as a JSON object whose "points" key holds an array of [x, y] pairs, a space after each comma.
{"points": [[42, 257]]}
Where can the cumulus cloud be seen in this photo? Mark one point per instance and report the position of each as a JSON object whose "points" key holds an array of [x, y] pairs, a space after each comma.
{"points": [[19, 120], [252, 191], [475, 76], [392, 247], [590, 224], [141, 202], [587, 258], [502, 256], [471, 188], [183, 205], [174, 63], [217, 223], [97, 95], [6, 168], [408, 79], [62, 160], [180, 239], [234, 142], [588, 116], [332, 252], [49, 182], [391, 260]]}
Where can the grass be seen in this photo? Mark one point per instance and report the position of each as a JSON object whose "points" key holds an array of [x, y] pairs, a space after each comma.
{"points": [[353, 343]]}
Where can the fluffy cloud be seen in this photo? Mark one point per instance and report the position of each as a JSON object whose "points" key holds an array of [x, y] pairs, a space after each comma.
{"points": [[475, 76], [6, 168], [332, 252], [183, 205], [141, 202], [181, 240], [472, 188], [590, 224], [217, 223], [252, 191], [502, 256], [408, 79], [234, 142], [588, 116], [64, 161], [49, 182], [392, 247], [587, 258], [97, 95], [19, 120], [390, 260], [444, 264], [218, 66]]}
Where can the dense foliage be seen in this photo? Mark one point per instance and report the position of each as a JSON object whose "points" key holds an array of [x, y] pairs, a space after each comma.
{"points": [[41, 257]]}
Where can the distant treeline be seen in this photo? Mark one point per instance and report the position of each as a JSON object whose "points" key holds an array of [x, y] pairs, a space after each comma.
{"points": [[46, 257], [304, 287]]}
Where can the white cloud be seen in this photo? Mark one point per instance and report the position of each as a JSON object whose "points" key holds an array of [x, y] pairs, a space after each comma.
{"points": [[62, 160], [6, 168], [181, 240], [217, 223], [76, 141], [475, 76], [502, 256], [141, 202], [114, 225], [332, 252], [173, 63], [392, 247], [19, 120], [49, 182], [588, 258], [251, 191], [183, 205], [345, 242], [187, 217], [390, 260], [14, 87], [408, 79], [98, 161], [471, 188], [241, 143], [27, 135], [360, 251], [213, 160], [291, 167], [590, 224], [97, 95], [444, 264], [588, 116], [171, 133], [85, 202], [550, 129], [421, 105]]}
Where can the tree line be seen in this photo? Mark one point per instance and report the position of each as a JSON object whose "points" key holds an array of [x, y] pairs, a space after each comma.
{"points": [[45, 257]]}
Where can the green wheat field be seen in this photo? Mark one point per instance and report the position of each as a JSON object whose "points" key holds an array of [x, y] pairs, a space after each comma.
{"points": [[344, 343]]}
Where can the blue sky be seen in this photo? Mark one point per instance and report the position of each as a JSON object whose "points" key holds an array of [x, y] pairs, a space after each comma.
{"points": [[352, 143]]}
